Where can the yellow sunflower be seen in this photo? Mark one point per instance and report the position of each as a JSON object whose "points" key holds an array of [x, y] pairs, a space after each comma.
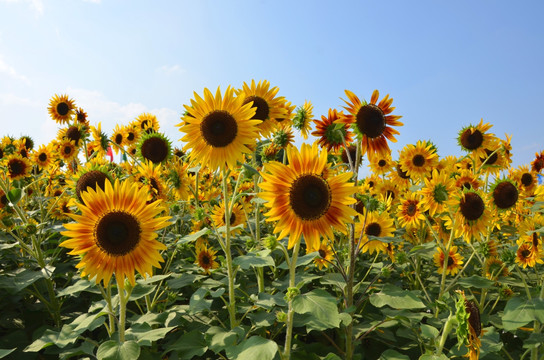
{"points": [[283, 137], [149, 177], [475, 138], [538, 163], [268, 107], [178, 178], [371, 122], [302, 201], [527, 255], [147, 122], [118, 138], [373, 224], [466, 180], [43, 157], [504, 194], [409, 211], [418, 160], [61, 108], [18, 167], [237, 217], [454, 261], [154, 147], [220, 129], [325, 255], [526, 179], [92, 175], [74, 132], [381, 164], [303, 118], [205, 258], [472, 215], [66, 150], [100, 142], [435, 193], [116, 233], [331, 135]]}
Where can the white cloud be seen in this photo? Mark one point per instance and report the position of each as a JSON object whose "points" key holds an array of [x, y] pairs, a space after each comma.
{"points": [[171, 69], [5, 68], [35, 5]]}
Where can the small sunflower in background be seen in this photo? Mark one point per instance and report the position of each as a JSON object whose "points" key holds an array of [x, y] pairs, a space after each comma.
{"points": [[283, 137], [237, 217], [43, 156], [526, 179], [178, 178], [330, 134], [92, 175], [453, 263], [538, 163], [75, 133], [372, 123], [466, 180], [418, 160], [205, 258], [99, 143], [268, 107], [349, 156], [146, 123], [435, 193], [325, 255], [154, 147], [287, 119], [66, 150], [409, 211], [131, 134], [61, 108], [219, 129], [302, 202], [116, 233], [61, 207], [381, 163], [81, 117], [494, 268], [117, 137], [18, 167], [475, 138], [373, 224], [149, 177], [303, 118]]}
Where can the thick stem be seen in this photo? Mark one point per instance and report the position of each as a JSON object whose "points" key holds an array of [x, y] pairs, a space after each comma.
{"points": [[228, 256], [122, 309], [290, 311]]}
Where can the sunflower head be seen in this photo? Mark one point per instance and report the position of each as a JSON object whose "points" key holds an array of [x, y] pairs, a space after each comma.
{"points": [[303, 118], [205, 257], [18, 167], [504, 193], [538, 163], [92, 175], [61, 108], [146, 122], [154, 147]]}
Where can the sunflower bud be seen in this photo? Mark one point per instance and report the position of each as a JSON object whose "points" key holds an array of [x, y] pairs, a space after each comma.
{"points": [[270, 242], [291, 293], [281, 316]]}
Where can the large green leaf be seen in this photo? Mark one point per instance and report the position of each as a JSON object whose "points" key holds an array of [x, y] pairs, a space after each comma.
{"points": [[318, 308], [80, 286], [219, 339], [254, 348], [193, 237], [396, 298], [520, 311], [19, 279], [255, 259], [391, 354], [112, 350], [145, 334], [6, 352], [198, 302], [189, 345], [476, 281], [184, 280], [303, 260]]}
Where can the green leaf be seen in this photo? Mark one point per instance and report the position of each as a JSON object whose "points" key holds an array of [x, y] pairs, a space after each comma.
{"points": [[255, 347], [268, 301], [193, 237], [255, 259], [390, 354], [219, 339], [332, 356], [18, 280], [319, 308], [520, 311], [189, 345], [184, 280], [80, 286], [396, 298], [251, 169], [112, 350], [303, 260], [198, 302], [14, 195], [428, 331], [476, 281], [6, 352], [7, 246], [140, 290], [433, 357], [145, 334]]}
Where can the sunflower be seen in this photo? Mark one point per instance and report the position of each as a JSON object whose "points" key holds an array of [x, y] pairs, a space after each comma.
{"points": [[237, 217], [116, 233], [538, 163], [453, 264], [381, 164], [526, 179], [42, 157], [60, 208], [349, 156], [268, 107], [495, 268], [131, 133], [147, 122], [494, 158], [287, 119], [61, 108], [325, 255], [466, 180], [100, 142], [472, 215], [371, 122], [117, 138], [66, 150], [388, 190], [302, 201], [283, 137], [373, 224], [303, 118], [205, 258], [92, 175], [154, 147], [331, 135], [73, 132], [178, 178], [504, 194], [220, 129], [149, 177], [81, 117], [18, 167], [418, 160], [436, 192], [527, 255], [409, 211], [475, 138]]}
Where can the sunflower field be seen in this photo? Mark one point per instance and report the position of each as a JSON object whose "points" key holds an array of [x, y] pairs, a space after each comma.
{"points": [[232, 242]]}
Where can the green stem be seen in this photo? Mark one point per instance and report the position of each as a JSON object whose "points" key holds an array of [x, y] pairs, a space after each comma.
{"points": [[228, 256], [291, 312], [122, 309], [106, 294]]}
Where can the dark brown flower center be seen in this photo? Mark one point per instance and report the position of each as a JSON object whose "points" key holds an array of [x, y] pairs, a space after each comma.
{"points": [[232, 218], [505, 195], [130, 136], [410, 208], [418, 160], [527, 179], [472, 206], [322, 253], [219, 128], [373, 229], [155, 149], [42, 157], [16, 167], [471, 140], [205, 260], [382, 163], [360, 207], [118, 139], [450, 261], [68, 150], [402, 174], [117, 233], [370, 121], [73, 134], [310, 197], [352, 154], [526, 253], [467, 185], [491, 157], [63, 108], [90, 179], [262, 110]]}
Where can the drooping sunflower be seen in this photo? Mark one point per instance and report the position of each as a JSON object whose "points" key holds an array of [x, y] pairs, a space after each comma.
{"points": [[495, 268], [325, 255], [81, 117], [154, 147], [178, 178], [303, 118], [116, 233], [220, 129], [372, 123], [237, 217], [409, 211], [373, 224], [100, 142], [330, 134], [287, 119], [435, 193], [418, 160], [302, 201], [205, 258], [149, 177], [454, 262], [283, 137], [18, 167], [475, 138], [268, 107], [61, 108], [472, 215]]}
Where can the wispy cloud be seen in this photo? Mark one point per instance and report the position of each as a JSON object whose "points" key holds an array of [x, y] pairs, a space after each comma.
{"points": [[9, 70], [35, 5], [171, 69]]}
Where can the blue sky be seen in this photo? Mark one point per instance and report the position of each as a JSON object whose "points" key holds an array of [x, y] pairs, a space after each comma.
{"points": [[446, 64]]}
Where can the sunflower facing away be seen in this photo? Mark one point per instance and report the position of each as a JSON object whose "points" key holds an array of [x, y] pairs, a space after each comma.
{"points": [[116, 233], [302, 201], [372, 122], [332, 135], [220, 129]]}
